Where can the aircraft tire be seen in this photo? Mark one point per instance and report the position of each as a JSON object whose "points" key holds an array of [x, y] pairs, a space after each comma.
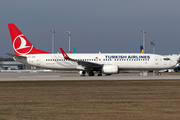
{"points": [[159, 73], [91, 73]]}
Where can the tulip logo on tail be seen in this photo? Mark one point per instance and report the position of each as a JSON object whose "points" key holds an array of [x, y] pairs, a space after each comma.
{"points": [[65, 56], [21, 46]]}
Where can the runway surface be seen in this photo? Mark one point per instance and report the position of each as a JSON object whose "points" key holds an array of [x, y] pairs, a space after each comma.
{"points": [[6, 76]]}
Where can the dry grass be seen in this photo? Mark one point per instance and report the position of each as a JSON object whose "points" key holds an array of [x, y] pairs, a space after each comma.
{"points": [[102, 100]]}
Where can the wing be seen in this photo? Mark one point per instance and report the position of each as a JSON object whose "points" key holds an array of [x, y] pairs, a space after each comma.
{"points": [[86, 64]]}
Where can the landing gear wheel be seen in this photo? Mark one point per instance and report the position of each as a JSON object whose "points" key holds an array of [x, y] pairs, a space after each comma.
{"points": [[91, 73], [99, 74], [108, 74], [159, 73]]}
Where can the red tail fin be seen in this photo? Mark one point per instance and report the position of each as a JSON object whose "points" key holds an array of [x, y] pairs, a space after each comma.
{"points": [[20, 43], [64, 54]]}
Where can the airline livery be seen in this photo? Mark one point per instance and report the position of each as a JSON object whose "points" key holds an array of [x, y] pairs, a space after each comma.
{"points": [[101, 63], [141, 49]]}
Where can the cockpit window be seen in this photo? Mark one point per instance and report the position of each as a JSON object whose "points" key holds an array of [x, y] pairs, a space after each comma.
{"points": [[166, 59]]}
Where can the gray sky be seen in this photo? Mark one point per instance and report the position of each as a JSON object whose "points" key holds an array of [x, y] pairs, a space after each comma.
{"points": [[95, 25]]}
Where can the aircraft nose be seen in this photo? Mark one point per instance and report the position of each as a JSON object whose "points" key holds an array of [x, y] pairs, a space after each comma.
{"points": [[177, 65], [174, 64]]}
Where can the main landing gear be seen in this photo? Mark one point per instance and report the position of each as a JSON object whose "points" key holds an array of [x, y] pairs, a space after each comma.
{"points": [[91, 73], [100, 73]]}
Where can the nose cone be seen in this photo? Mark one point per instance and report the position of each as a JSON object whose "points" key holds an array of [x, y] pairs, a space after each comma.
{"points": [[177, 65]]}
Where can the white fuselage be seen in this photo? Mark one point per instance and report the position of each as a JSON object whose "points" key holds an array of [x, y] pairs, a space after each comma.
{"points": [[124, 61]]}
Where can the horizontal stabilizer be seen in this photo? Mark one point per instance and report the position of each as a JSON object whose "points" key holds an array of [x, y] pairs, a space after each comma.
{"points": [[13, 55]]}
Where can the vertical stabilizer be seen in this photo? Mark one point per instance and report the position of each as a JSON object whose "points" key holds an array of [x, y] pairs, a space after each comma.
{"points": [[141, 49], [20, 43], [75, 50]]}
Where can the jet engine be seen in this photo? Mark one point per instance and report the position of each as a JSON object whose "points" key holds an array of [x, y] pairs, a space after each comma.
{"points": [[110, 69], [82, 73]]}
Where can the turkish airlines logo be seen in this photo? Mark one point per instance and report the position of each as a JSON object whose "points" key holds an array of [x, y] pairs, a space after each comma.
{"points": [[65, 56], [21, 45]]}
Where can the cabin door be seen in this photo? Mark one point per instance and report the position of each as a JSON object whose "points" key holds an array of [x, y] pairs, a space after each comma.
{"points": [[38, 60], [156, 60]]}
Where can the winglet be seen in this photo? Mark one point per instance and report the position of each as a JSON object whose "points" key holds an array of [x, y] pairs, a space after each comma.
{"points": [[64, 54]]}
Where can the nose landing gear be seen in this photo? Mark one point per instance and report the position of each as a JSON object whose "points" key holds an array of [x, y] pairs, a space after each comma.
{"points": [[159, 73]]}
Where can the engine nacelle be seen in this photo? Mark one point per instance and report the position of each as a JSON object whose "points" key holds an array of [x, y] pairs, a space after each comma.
{"points": [[82, 73], [110, 69]]}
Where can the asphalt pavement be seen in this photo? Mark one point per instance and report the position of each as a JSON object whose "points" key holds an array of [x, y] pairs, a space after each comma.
{"points": [[48, 76]]}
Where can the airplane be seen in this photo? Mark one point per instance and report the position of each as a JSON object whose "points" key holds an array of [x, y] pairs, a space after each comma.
{"points": [[75, 50], [101, 63], [141, 49]]}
